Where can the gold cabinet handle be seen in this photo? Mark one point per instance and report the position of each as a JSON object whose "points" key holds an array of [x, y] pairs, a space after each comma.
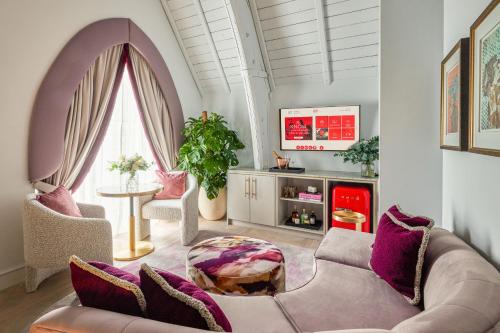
{"points": [[254, 188], [247, 187]]}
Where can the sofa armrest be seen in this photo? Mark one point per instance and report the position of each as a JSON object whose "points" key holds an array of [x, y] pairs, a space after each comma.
{"points": [[346, 247], [91, 211], [88, 320]]}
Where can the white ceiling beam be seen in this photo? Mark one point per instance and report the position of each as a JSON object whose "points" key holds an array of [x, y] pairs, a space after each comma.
{"points": [[211, 43], [178, 37], [262, 43], [323, 42]]}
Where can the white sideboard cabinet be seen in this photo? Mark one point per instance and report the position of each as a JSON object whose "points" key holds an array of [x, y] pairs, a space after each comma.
{"points": [[255, 196], [250, 198]]}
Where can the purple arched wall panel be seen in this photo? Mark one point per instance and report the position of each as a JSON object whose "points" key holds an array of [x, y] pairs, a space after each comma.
{"points": [[48, 120]]}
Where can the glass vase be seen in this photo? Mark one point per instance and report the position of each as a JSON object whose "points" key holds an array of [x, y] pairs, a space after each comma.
{"points": [[368, 170], [132, 183]]}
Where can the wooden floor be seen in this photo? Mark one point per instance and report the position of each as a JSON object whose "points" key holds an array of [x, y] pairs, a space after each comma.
{"points": [[18, 309]]}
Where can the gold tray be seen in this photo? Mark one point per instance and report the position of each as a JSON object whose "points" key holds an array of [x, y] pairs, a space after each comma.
{"points": [[348, 216]]}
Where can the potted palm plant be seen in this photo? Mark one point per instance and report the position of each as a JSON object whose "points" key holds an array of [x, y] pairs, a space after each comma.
{"points": [[364, 152], [209, 150]]}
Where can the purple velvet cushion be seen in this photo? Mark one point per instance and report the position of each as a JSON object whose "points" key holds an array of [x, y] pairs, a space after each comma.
{"points": [[398, 255], [408, 219], [102, 286], [171, 299]]}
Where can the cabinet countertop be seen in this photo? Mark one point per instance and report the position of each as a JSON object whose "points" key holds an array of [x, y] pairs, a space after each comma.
{"points": [[342, 175]]}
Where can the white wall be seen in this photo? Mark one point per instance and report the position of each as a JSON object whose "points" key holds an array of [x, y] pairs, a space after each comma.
{"points": [[234, 108], [471, 182], [362, 91], [31, 34], [410, 158]]}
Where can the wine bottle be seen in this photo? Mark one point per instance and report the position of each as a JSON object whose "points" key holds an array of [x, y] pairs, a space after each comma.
{"points": [[295, 215], [312, 218], [304, 218]]}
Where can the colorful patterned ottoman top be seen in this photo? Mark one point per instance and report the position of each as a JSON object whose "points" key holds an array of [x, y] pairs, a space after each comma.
{"points": [[237, 265]]}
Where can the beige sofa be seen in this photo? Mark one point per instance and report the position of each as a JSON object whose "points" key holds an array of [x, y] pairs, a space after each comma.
{"points": [[461, 294]]}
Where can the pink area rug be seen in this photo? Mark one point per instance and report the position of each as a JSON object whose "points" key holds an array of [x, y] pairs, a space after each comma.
{"points": [[299, 261]]}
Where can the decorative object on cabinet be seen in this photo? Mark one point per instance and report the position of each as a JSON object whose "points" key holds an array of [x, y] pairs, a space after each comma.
{"points": [[455, 97], [289, 191], [130, 166], [320, 128], [484, 98], [365, 152], [209, 150], [281, 162]]}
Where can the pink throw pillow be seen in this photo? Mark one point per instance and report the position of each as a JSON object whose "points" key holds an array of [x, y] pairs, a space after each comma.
{"points": [[61, 201], [174, 184]]}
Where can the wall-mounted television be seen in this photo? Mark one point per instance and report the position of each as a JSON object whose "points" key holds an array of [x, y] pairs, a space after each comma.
{"points": [[319, 129]]}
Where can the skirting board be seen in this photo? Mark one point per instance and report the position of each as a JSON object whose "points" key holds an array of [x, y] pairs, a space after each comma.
{"points": [[11, 276]]}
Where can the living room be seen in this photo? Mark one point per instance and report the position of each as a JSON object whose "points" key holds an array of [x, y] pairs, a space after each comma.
{"points": [[250, 166]]}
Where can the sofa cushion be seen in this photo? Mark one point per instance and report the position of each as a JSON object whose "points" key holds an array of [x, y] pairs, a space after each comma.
{"points": [[169, 210], [174, 300], [347, 247], [252, 314], [409, 219], [61, 201], [345, 297], [398, 255], [103, 286]]}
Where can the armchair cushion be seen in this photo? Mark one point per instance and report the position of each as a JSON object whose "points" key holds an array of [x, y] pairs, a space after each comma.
{"points": [[105, 287], [174, 184], [61, 201], [173, 300]]}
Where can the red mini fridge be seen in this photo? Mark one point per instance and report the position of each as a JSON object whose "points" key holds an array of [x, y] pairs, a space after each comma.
{"points": [[352, 198]]}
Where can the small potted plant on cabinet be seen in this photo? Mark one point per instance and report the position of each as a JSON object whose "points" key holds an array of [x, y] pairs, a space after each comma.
{"points": [[209, 150], [364, 152]]}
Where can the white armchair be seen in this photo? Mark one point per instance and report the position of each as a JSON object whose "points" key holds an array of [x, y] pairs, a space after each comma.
{"points": [[184, 210], [50, 238]]}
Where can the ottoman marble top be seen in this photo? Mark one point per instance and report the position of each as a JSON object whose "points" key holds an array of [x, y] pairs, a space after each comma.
{"points": [[235, 256]]}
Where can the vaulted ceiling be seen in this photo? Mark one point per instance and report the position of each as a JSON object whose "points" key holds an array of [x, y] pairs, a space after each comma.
{"points": [[301, 41]]}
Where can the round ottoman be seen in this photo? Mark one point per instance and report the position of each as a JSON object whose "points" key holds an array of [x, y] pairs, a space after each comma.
{"points": [[237, 265]]}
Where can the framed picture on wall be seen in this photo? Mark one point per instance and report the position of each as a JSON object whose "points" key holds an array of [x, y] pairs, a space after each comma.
{"points": [[484, 125], [455, 97]]}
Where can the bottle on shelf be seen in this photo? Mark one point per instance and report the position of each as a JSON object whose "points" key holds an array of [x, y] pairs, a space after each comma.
{"points": [[312, 218], [304, 218], [295, 215]]}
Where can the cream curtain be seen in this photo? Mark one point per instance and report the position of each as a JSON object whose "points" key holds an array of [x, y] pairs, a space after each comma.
{"points": [[86, 115], [154, 111]]}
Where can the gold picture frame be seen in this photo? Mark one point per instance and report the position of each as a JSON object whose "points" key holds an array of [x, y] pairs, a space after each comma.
{"points": [[484, 82], [455, 97]]}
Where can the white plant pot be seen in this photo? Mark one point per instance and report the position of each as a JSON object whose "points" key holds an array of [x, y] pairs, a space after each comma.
{"points": [[215, 209]]}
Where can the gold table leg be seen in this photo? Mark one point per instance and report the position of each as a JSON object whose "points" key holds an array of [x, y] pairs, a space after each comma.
{"points": [[359, 227], [135, 249]]}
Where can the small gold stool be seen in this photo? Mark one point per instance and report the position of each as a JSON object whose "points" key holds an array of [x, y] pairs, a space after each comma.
{"points": [[348, 216]]}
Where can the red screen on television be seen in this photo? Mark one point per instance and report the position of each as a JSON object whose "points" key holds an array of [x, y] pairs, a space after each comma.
{"points": [[325, 128]]}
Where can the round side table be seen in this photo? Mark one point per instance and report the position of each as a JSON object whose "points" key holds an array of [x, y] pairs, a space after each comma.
{"points": [[135, 249], [237, 265], [347, 216]]}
